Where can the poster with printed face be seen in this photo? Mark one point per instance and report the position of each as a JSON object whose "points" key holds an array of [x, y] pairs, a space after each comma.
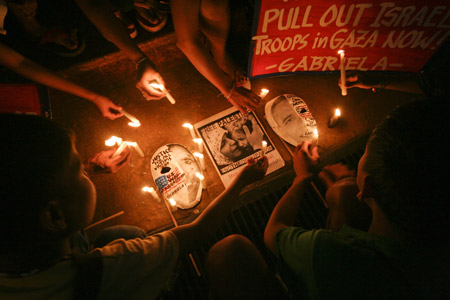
{"points": [[299, 35], [290, 118], [231, 138], [173, 170]]}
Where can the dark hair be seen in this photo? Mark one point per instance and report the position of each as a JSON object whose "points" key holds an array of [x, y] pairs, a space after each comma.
{"points": [[408, 161], [34, 158]]}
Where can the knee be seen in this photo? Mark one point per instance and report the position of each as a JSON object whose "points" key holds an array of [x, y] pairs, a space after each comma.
{"points": [[227, 250]]}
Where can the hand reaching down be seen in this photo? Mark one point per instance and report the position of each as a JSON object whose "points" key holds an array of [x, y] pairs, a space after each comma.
{"points": [[244, 99], [146, 75], [107, 108], [255, 170]]}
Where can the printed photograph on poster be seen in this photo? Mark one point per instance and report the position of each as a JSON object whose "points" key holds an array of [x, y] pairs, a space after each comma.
{"points": [[231, 138], [173, 169], [290, 118]]}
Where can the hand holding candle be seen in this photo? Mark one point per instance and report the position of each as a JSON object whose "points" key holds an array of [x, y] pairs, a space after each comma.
{"points": [[342, 67], [162, 88]]}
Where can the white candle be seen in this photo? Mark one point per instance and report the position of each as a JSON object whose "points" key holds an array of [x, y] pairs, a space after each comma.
{"points": [[342, 67], [164, 90], [202, 179], [263, 148], [173, 205], [263, 93], [136, 146], [191, 129], [315, 137], [201, 159], [199, 143], [333, 120], [120, 149], [134, 122]]}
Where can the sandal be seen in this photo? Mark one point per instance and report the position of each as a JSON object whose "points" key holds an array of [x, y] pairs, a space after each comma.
{"points": [[129, 25], [150, 18], [61, 43]]}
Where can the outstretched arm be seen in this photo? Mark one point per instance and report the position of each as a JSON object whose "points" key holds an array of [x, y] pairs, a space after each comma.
{"points": [[100, 14], [205, 226], [186, 20], [27, 68], [305, 159]]}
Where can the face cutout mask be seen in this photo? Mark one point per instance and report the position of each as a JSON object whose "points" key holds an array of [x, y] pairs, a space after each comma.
{"points": [[290, 118], [173, 170]]}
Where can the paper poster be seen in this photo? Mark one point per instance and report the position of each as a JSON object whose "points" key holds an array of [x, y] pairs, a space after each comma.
{"points": [[290, 118], [173, 170], [231, 138], [299, 35]]}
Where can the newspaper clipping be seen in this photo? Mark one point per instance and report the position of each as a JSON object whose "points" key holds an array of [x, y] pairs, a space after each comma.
{"points": [[231, 138]]}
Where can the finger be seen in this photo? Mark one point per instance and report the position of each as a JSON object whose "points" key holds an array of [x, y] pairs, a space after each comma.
{"points": [[305, 147], [315, 152], [251, 160]]}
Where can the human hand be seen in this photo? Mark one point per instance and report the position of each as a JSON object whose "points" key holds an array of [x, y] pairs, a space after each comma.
{"points": [[256, 136], [244, 99], [332, 173], [306, 158], [146, 75], [255, 170], [103, 162], [107, 108], [362, 80]]}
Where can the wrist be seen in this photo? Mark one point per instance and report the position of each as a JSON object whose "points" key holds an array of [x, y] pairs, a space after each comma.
{"points": [[303, 178]]}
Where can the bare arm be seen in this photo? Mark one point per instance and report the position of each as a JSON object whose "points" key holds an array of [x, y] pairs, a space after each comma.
{"points": [[205, 226], [400, 82], [186, 18], [285, 212], [27, 68], [100, 14]]}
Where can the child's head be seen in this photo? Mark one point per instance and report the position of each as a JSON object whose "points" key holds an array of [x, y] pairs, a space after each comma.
{"points": [[44, 193], [407, 161]]}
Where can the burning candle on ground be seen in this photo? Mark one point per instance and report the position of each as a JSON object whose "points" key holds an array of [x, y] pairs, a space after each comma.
{"points": [[162, 88], [199, 143], [263, 93], [263, 148], [201, 159], [120, 149], [113, 141], [191, 129], [315, 137], [342, 67], [173, 205], [152, 192], [136, 146], [134, 121], [202, 179], [335, 118]]}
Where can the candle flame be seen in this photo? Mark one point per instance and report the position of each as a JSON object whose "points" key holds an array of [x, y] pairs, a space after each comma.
{"points": [[188, 125], [264, 143], [263, 93], [199, 155], [113, 140], [341, 51], [316, 133], [157, 86], [337, 113], [199, 175], [198, 140], [148, 189], [134, 124], [172, 202]]}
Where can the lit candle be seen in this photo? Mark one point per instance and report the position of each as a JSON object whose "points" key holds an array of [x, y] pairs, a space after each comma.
{"points": [[134, 122], [120, 149], [201, 159], [136, 146], [152, 192], [173, 205], [315, 137], [263, 93], [263, 148], [202, 179], [342, 67], [199, 143], [191, 129], [334, 119], [163, 89], [113, 140]]}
